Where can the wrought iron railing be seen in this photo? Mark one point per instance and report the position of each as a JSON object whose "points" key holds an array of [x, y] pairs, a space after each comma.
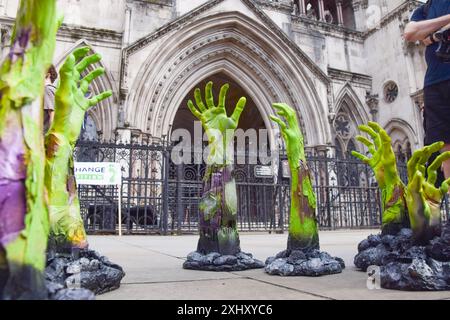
{"points": [[161, 197]]}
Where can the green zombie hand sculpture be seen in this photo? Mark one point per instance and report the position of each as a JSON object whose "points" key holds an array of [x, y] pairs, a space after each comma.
{"points": [[71, 104], [24, 221], [384, 165], [218, 207], [423, 198], [218, 126], [303, 230]]}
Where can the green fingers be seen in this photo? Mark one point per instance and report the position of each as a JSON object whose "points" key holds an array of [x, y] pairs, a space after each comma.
{"points": [[87, 61], [84, 84], [279, 122], [214, 119], [437, 163], [423, 197], [370, 146], [194, 110], [209, 95], [238, 110], [420, 158], [223, 95], [360, 156], [81, 52], [383, 163], [100, 97], [198, 100]]}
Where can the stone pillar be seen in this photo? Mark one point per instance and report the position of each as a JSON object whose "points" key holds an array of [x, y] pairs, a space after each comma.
{"points": [[373, 101], [123, 135], [2, 7], [302, 7], [126, 31], [360, 16], [321, 10], [321, 150], [340, 15]]}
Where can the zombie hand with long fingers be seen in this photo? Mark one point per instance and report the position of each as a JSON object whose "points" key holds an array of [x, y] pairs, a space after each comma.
{"points": [[24, 221], [71, 104], [423, 198], [218, 126], [218, 207], [383, 163], [303, 230]]}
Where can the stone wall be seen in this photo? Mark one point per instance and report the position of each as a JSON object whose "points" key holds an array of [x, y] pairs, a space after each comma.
{"points": [[360, 60]]}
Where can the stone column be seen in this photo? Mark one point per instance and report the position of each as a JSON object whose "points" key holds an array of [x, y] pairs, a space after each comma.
{"points": [[340, 16], [126, 31], [359, 12], [321, 10], [302, 7], [3, 7]]}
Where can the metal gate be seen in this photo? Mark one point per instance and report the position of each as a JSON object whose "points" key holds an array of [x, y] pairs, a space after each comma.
{"points": [[161, 197]]}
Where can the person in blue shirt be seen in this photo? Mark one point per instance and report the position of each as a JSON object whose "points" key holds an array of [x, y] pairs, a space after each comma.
{"points": [[424, 23]]}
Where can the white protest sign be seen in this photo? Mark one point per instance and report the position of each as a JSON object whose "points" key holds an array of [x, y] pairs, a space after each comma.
{"points": [[101, 174], [98, 173]]}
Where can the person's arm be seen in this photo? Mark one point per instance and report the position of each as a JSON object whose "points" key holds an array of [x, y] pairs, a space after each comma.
{"points": [[418, 31]]}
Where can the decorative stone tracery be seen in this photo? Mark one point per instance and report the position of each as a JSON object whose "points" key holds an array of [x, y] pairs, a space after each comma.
{"points": [[237, 46]]}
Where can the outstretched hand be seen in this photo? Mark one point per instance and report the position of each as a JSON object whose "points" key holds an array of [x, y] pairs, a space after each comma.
{"points": [[383, 163], [423, 197], [212, 116], [215, 121], [71, 101], [291, 132], [382, 159]]}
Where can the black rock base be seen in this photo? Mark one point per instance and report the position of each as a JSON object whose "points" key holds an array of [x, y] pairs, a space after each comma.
{"points": [[404, 266], [81, 275], [216, 262], [312, 263]]}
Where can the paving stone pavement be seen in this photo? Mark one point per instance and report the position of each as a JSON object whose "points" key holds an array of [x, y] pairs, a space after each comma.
{"points": [[153, 266]]}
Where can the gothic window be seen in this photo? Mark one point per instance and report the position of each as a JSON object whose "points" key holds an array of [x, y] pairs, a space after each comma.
{"points": [[312, 9], [403, 151], [390, 91], [346, 169], [343, 126], [338, 146], [350, 147]]}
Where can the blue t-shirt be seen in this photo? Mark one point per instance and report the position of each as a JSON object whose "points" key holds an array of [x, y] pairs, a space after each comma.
{"points": [[437, 70]]}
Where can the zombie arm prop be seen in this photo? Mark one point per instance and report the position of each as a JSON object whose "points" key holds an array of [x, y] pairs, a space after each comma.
{"points": [[423, 198], [23, 213], [218, 207], [71, 104], [384, 165], [303, 231]]}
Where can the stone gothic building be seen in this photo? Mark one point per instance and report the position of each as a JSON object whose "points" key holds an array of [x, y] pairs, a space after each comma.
{"points": [[340, 63]]}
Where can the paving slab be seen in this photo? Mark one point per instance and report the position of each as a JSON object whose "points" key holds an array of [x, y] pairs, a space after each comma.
{"points": [[153, 266], [224, 289]]}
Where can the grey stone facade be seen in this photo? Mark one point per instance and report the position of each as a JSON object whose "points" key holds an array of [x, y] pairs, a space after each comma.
{"points": [[340, 63]]}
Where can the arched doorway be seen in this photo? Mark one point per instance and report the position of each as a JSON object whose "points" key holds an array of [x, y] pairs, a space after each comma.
{"points": [[250, 119]]}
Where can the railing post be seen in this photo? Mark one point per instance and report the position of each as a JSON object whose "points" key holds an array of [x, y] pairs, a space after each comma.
{"points": [[180, 176], [165, 213], [280, 192]]}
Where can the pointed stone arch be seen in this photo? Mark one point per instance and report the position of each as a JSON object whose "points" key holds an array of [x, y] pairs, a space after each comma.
{"points": [[348, 97], [403, 138], [349, 114], [232, 43], [105, 113]]}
